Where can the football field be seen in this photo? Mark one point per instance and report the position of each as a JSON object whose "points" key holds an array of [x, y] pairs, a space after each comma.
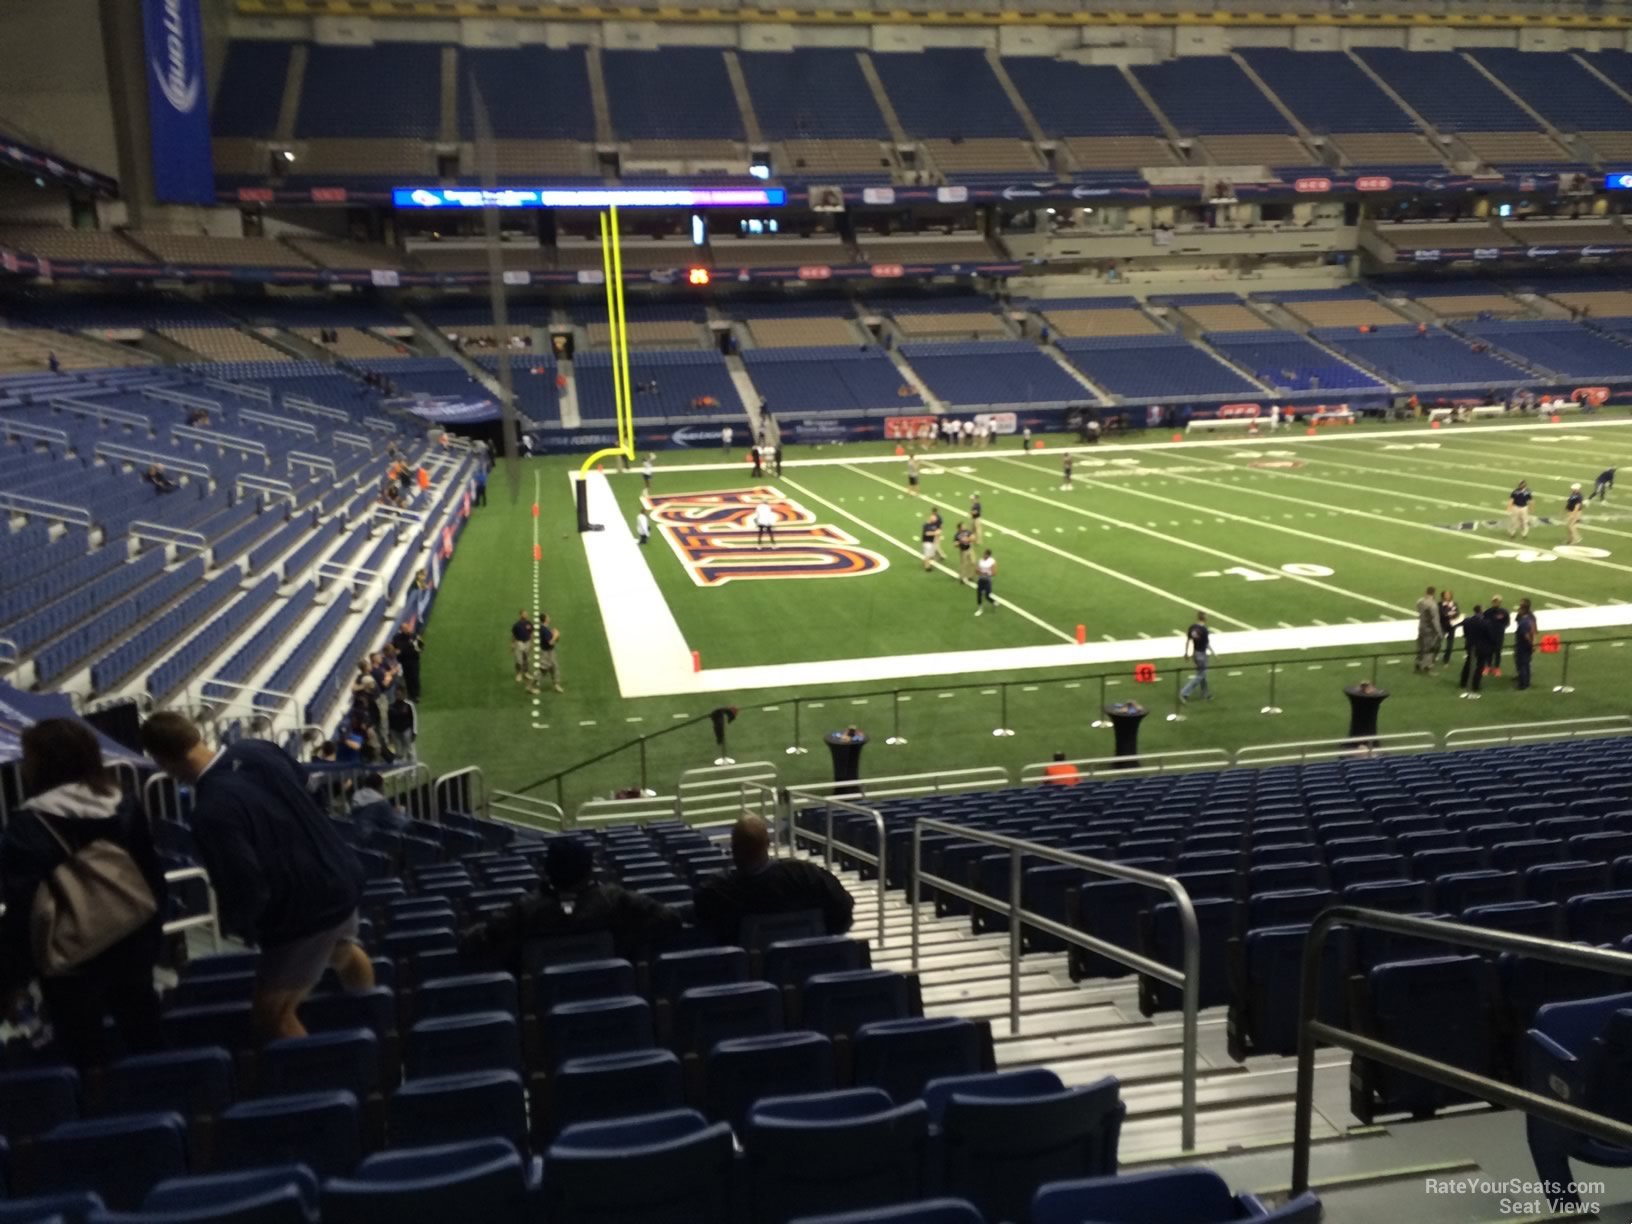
{"points": [[1306, 551]]}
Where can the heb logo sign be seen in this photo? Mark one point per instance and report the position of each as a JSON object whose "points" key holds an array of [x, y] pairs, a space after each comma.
{"points": [[328, 195], [1374, 182], [1312, 185], [814, 272], [1239, 410], [255, 195], [888, 271], [715, 537]]}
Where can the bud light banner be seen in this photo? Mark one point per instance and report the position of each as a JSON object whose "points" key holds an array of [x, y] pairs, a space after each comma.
{"points": [[178, 103]]}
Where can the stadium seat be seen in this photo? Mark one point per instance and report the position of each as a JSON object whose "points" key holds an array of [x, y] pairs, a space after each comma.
{"points": [[674, 973], [1169, 1196], [610, 1086], [1538, 918], [193, 1083], [471, 1041], [1462, 891], [578, 981], [1599, 917], [481, 1180], [68, 1206], [740, 1071], [791, 962], [230, 1026], [286, 1194], [672, 1166], [929, 1211], [346, 1059], [1003, 1135], [120, 1159], [1408, 1003], [442, 1109], [901, 1056], [596, 1026], [471, 992], [836, 1151], [1579, 1053], [840, 1003], [1561, 881], [704, 1015], [316, 1129], [1215, 923], [760, 931], [32, 1102]]}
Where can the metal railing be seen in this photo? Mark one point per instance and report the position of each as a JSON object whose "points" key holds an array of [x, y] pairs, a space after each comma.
{"points": [[1529, 732], [1312, 1031], [598, 813], [102, 413], [20, 503], [525, 812], [300, 403], [162, 533], [312, 464], [261, 395], [463, 790], [1303, 751], [939, 782], [264, 484], [1186, 979], [277, 422], [1131, 767], [211, 918], [829, 805], [713, 791], [211, 437], [136, 455]]}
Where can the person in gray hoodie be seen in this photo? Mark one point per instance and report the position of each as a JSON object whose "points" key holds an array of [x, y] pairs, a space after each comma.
{"points": [[73, 801]]}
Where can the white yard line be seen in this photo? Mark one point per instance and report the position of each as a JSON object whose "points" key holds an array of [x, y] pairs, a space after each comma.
{"points": [[1006, 604], [1201, 548], [1181, 600]]}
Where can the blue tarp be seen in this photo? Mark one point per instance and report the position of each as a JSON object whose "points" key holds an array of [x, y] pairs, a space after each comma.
{"points": [[20, 710]]}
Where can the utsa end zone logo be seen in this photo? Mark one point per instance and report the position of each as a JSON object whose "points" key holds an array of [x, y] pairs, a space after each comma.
{"points": [[714, 536]]}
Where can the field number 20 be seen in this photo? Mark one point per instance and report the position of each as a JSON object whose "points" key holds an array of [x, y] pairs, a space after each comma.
{"points": [[1297, 569]]}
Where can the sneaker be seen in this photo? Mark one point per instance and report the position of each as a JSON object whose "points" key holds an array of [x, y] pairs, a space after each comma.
{"points": [[1183, 700], [978, 611], [558, 688]]}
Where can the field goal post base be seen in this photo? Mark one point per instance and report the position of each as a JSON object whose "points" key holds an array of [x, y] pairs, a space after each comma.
{"points": [[581, 491], [1177, 717], [1563, 688], [1001, 731], [795, 750], [1270, 710], [725, 760], [896, 740]]}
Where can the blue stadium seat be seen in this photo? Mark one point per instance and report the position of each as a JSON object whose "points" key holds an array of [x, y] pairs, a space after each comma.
{"points": [[1599, 918], [1267, 965], [375, 1010], [1215, 923], [1409, 1004], [840, 1003], [1283, 908], [283, 1195], [471, 992], [316, 1129], [481, 1180], [201, 990], [901, 1056], [440, 1109], [674, 973], [32, 1102], [596, 1026], [740, 1071], [1538, 918], [537, 954], [192, 1083], [760, 931], [228, 1025], [346, 1059], [673, 1166], [120, 1158], [1168, 1196], [1579, 1053], [1393, 895], [69, 1206], [791, 962], [471, 1041], [614, 1086], [1005, 1134], [704, 1015], [836, 1151], [1561, 881], [578, 981], [928, 1211], [1460, 891]]}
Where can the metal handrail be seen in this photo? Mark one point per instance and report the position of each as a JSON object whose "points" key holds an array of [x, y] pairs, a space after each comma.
{"points": [[1312, 1031], [1187, 979], [138, 454], [769, 809], [595, 813], [525, 812], [1146, 762], [1558, 728], [1325, 749], [829, 805], [210, 918], [945, 781], [478, 788], [707, 789]]}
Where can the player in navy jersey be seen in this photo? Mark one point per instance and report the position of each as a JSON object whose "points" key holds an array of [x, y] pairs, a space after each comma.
{"points": [[1605, 482], [974, 514], [1198, 645], [930, 538], [1518, 511], [1572, 515]]}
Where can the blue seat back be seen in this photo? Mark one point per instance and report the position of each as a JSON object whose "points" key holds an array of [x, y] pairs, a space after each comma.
{"points": [[840, 1003], [440, 1109], [674, 1166], [316, 1129], [901, 1056], [743, 1070], [614, 1086]]}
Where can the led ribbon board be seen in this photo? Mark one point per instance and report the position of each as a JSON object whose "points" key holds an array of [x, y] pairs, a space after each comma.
{"points": [[590, 197]]}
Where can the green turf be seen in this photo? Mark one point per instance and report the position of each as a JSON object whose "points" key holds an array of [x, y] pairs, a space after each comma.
{"points": [[1128, 552]]}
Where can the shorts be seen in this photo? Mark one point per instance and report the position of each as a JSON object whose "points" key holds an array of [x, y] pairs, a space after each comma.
{"points": [[299, 964], [929, 550]]}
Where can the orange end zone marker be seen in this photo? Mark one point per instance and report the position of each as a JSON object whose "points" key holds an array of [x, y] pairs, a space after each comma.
{"points": [[535, 509], [1082, 635], [1178, 437], [696, 660], [538, 552], [1310, 431], [899, 449], [1555, 418]]}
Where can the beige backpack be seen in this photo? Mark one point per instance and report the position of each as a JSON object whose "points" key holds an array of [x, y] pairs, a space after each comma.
{"points": [[94, 899]]}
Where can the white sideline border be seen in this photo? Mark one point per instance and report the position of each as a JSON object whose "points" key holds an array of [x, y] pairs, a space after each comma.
{"points": [[651, 658]]}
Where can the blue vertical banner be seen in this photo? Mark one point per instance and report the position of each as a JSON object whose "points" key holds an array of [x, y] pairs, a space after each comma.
{"points": [[178, 102]]}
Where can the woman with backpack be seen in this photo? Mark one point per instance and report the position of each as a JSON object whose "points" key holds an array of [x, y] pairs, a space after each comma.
{"points": [[84, 893]]}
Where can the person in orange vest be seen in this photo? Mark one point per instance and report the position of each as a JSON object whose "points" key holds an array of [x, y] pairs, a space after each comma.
{"points": [[424, 478], [1060, 772]]}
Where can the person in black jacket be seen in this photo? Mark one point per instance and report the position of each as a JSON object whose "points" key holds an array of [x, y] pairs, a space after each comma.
{"points": [[73, 797], [409, 646], [575, 904], [759, 884], [1477, 638], [283, 877]]}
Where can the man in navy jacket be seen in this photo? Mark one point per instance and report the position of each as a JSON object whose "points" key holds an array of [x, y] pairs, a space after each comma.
{"points": [[283, 877]]}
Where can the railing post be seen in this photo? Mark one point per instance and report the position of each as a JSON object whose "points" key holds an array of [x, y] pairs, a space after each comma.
{"points": [[796, 748], [1100, 721], [883, 875], [916, 885], [1374, 660], [1192, 1005], [1014, 941], [895, 715], [1304, 1102], [827, 853], [1564, 685], [643, 764], [1270, 707], [1178, 702], [1002, 728]]}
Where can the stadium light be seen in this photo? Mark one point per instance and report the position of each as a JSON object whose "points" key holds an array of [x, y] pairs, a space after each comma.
{"points": [[590, 197]]}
